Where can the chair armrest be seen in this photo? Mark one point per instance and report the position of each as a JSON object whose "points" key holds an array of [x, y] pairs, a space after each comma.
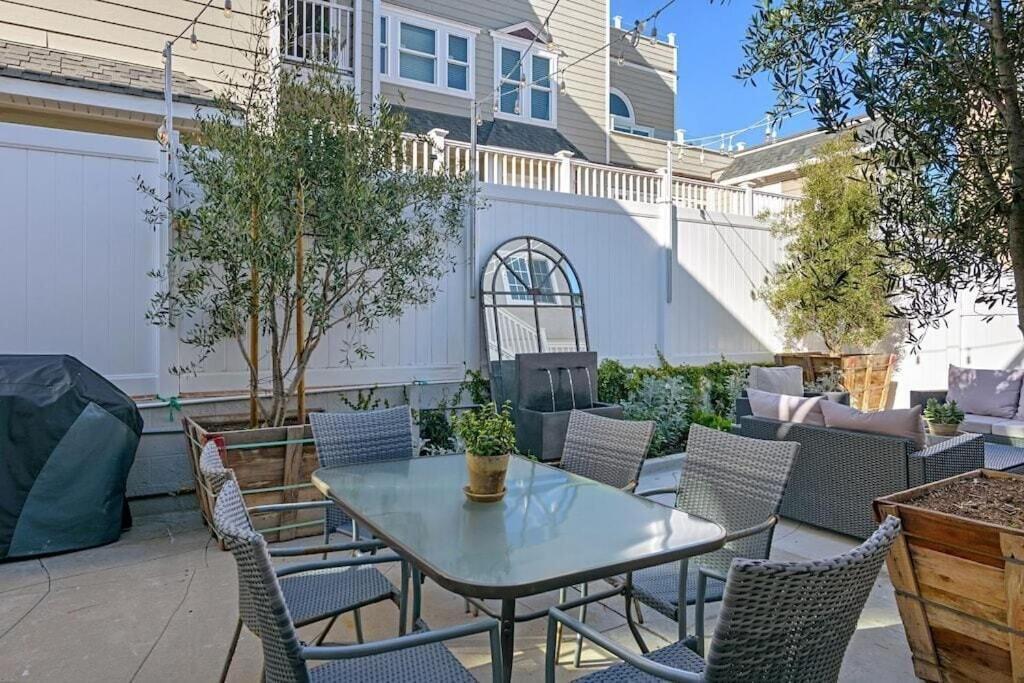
{"points": [[630, 487], [667, 673], [289, 507], [321, 652], [298, 551], [919, 398], [752, 531], [948, 458], [299, 568], [657, 492]]}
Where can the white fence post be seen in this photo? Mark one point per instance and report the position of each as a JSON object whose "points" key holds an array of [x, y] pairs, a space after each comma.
{"points": [[564, 170], [437, 136], [748, 189]]}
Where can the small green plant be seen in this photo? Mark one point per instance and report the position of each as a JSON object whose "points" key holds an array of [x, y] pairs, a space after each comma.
{"points": [[943, 413], [666, 402], [830, 380], [486, 431], [709, 419], [367, 401]]}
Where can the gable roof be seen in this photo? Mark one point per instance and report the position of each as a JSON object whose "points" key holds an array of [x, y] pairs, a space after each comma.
{"points": [[782, 152], [46, 65]]}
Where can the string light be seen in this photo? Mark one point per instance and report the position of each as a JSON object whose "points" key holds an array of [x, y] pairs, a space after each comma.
{"points": [[621, 59], [227, 8], [193, 41]]}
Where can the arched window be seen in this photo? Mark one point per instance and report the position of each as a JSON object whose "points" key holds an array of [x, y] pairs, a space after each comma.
{"points": [[618, 106], [622, 113]]}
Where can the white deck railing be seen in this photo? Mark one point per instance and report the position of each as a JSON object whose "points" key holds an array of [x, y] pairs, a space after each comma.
{"points": [[318, 30], [561, 173]]}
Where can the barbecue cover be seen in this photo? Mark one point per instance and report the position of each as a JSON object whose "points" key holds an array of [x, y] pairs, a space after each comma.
{"points": [[67, 440]]}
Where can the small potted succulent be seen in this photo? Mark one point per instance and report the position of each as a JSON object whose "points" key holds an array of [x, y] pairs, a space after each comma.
{"points": [[943, 418], [489, 437]]}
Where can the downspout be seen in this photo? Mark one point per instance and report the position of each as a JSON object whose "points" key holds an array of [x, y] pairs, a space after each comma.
{"points": [[375, 55]]}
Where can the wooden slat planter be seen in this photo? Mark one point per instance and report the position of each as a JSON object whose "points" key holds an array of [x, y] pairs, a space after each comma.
{"points": [[277, 473], [867, 376], [960, 590]]}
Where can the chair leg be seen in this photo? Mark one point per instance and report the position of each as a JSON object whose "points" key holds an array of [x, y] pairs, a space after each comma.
{"points": [[359, 625], [584, 590], [681, 609], [558, 628], [323, 634], [630, 603], [639, 613], [403, 600], [231, 650], [698, 611]]}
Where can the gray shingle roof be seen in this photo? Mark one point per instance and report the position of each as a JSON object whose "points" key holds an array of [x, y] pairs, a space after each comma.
{"points": [[788, 150], [498, 133], [34, 63]]}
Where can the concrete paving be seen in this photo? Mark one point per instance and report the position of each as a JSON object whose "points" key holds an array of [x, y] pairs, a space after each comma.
{"points": [[160, 605]]}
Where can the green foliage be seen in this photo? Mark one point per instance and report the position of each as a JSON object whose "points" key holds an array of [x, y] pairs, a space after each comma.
{"points": [[943, 413], [367, 401], [668, 402], [828, 380], [292, 156], [709, 419], [486, 431], [478, 386], [436, 430], [831, 282]]}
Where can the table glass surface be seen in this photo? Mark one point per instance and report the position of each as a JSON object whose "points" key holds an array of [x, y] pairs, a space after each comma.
{"points": [[551, 524]]}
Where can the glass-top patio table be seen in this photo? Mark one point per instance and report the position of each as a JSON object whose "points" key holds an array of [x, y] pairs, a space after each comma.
{"points": [[553, 529]]}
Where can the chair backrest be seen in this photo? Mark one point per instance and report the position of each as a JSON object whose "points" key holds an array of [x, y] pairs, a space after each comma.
{"points": [[260, 601], [605, 449], [735, 481], [212, 468], [792, 621]]}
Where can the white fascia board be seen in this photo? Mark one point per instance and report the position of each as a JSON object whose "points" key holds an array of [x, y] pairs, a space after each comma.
{"points": [[97, 98]]}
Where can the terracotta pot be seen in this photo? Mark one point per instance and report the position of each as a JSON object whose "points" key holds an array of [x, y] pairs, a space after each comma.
{"points": [[943, 429], [487, 474]]}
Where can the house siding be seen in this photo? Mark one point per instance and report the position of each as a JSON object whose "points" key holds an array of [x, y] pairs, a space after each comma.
{"points": [[651, 154], [651, 93]]}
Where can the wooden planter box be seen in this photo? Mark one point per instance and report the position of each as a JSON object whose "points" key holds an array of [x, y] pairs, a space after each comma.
{"points": [[867, 376], [960, 590], [275, 473]]}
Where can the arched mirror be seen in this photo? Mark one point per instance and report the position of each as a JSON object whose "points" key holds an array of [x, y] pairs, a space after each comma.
{"points": [[531, 301]]}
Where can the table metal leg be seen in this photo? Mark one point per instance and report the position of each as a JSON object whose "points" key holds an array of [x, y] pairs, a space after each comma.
{"points": [[508, 634]]}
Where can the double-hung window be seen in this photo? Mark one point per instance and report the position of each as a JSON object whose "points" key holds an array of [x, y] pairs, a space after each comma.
{"points": [[426, 53], [524, 86]]}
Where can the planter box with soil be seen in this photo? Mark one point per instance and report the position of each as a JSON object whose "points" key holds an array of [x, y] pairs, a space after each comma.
{"points": [[867, 376], [958, 571], [278, 471]]}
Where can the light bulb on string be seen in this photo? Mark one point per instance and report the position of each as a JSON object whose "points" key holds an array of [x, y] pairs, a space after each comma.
{"points": [[621, 59], [227, 8], [193, 41], [654, 35]]}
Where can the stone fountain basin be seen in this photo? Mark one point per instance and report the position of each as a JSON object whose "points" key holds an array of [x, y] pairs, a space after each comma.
{"points": [[542, 433]]}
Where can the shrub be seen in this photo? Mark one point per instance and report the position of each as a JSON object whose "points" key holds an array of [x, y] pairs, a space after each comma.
{"points": [[486, 431], [668, 403], [709, 419]]}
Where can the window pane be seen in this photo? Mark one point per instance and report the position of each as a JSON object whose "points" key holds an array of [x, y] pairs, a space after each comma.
{"points": [[383, 30], [540, 104], [515, 284], [415, 67], [541, 71], [510, 66], [618, 106], [418, 38], [383, 59], [457, 77], [458, 48], [509, 97]]}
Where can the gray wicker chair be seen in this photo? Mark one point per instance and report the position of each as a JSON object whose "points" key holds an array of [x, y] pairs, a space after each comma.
{"points": [[609, 451], [355, 437], [316, 597], [780, 622], [735, 481], [268, 613]]}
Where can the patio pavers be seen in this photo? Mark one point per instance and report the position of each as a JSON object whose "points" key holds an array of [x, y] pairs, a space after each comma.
{"points": [[160, 604]]}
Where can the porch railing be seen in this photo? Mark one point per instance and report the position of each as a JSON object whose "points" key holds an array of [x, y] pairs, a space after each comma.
{"points": [[318, 31], [560, 172]]}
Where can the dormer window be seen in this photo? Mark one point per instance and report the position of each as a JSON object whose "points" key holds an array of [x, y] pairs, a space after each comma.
{"points": [[524, 72], [425, 52]]}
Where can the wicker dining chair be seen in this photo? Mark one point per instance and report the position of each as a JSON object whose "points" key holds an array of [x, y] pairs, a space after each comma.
{"points": [[730, 479], [780, 622], [357, 437], [313, 598], [609, 451], [269, 614]]}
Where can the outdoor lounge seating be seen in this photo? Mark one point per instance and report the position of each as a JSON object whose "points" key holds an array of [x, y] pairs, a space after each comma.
{"points": [[990, 399], [838, 472], [267, 612], [734, 480], [780, 621]]}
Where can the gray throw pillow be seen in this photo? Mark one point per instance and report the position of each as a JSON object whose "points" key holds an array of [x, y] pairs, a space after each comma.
{"points": [[788, 380], [905, 423], [985, 392], [786, 408]]}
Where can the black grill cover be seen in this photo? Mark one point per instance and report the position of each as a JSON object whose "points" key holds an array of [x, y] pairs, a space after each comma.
{"points": [[67, 440]]}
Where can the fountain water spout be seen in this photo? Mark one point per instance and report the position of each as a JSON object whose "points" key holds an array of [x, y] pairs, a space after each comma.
{"points": [[572, 389], [551, 383], [590, 384]]}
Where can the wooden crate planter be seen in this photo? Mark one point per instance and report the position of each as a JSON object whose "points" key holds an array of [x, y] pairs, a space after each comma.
{"points": [[960, 590], [867, 376], [275, 473]]}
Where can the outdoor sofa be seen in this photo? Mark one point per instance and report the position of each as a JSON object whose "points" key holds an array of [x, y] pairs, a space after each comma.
{"points": [[838, 473]]}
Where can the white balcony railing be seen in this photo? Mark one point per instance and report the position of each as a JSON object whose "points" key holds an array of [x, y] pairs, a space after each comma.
{"points": [[562, 173], [318, 31]]}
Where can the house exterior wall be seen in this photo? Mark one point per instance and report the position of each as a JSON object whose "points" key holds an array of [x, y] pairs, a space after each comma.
{"points": [[647, 76], [651, 154]]}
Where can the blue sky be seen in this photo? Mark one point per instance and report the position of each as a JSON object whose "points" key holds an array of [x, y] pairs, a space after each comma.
{"points": [[710, 38]]}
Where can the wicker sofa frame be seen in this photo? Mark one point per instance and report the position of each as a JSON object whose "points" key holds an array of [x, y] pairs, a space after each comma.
{"points": [[838, 473], [920, 398]]}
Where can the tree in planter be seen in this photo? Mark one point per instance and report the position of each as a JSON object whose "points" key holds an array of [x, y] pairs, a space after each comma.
{"points": [[831, 282], [302, 220], [943, 82]]}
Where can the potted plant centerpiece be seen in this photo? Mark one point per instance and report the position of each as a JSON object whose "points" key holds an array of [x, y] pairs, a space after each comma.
{"points": [[943, 418], [490, 437], [296, 224]]}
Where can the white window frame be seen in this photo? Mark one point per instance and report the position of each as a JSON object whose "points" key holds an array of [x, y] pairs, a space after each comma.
{"points": [[391, 70], [526, 92], [624, 124]]}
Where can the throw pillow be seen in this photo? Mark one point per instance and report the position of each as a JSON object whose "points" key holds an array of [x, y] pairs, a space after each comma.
{"points": [[788, 380], [786, 408], [985, 392], [905, 423]]}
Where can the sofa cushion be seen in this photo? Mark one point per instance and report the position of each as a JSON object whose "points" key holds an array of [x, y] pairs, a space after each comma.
{"points": [[905, 423], [786, 408], [788, 380], [985, 392], [979, 424], [1009, 428]]}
